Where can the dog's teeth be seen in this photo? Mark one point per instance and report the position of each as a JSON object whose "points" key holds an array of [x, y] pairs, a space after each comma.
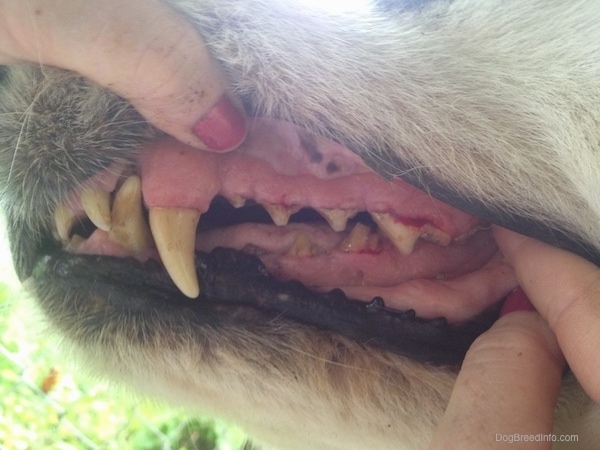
{"points": [[237, 201], [129, 229], [360, 240], [301, 247], [337, 218], [64, 218], [280, 214], [435, 235], [402, 236], [96, 204], [174, 231]]}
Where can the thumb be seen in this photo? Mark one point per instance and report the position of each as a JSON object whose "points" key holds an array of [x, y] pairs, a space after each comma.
{"points": [[140, 49]]}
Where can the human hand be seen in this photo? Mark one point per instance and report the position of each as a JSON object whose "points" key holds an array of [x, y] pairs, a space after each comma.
{"points": [[139, 49], [510, 379]]}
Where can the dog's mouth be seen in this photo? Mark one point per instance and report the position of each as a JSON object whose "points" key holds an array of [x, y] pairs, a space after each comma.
{"points": [[311, 211]]}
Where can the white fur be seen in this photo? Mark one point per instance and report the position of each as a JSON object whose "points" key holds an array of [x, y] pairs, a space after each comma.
{"points": [[499, 100]]}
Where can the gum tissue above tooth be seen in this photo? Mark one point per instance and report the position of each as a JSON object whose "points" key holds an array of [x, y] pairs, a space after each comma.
{"points": [[174, 231], [337, 218], [129, 229], [403, 237], [96, 204]]}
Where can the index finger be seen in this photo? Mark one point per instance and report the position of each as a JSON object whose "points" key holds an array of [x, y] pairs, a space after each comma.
{"points": [[140, 49], [565, 289]]}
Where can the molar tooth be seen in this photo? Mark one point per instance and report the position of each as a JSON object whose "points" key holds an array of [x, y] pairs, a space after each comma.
{"points": [[402, 236], [435, 235], [337, 218], [64, 218], [174, 231], [129, 228], [280, 213], [96, 204]]}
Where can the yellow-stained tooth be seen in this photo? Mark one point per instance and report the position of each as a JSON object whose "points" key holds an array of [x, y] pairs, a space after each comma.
{"points": [[337, 218], [64, 218], [280, 214], [96, 204], [174, 231], [403, 237], [237, 201], [128, 227]]}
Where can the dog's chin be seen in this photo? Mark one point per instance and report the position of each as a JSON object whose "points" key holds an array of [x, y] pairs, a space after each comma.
{"points": [[289, 227]]}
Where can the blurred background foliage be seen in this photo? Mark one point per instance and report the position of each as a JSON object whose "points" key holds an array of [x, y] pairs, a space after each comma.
{"points": [[46, 403]]}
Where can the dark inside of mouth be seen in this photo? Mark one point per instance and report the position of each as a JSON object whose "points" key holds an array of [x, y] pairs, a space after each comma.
{"points": [[233, 277], [222, 214]]}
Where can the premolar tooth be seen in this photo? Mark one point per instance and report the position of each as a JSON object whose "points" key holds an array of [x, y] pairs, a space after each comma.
{"points": [[174, 231], [64, 218], [96, 204], [129, 229], [301, 247], [403, 237], [237, 201], [337, 218], [280, 213], [360, 240]]}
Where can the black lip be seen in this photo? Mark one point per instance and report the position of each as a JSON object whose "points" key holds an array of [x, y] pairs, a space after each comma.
{"points": [[233, 278]]}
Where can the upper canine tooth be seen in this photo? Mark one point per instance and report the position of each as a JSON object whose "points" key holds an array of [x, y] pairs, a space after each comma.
{"points": [[129, 229], [403, 237], [96, 204], [281, 214], [174, 231], [64, 218], [337, 218]]}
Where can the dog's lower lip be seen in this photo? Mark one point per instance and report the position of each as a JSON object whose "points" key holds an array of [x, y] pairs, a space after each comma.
{"points": [[232, 280]]}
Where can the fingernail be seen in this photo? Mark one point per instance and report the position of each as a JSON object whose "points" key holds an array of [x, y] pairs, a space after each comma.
{"points": [[517, 300], [223, 128]]}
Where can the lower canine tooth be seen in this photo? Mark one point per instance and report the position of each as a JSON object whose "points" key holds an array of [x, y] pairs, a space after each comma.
{"points": [[64, 218], [96, 204], [174, 231], [129, 229], [402, 236], [337, 218]]}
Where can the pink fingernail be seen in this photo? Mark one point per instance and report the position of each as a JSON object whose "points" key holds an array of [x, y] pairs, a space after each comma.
{"points": [[223, 128], [517, 300]]}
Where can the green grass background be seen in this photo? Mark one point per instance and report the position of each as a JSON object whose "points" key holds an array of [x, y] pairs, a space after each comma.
{"points": [[78, 412]]}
